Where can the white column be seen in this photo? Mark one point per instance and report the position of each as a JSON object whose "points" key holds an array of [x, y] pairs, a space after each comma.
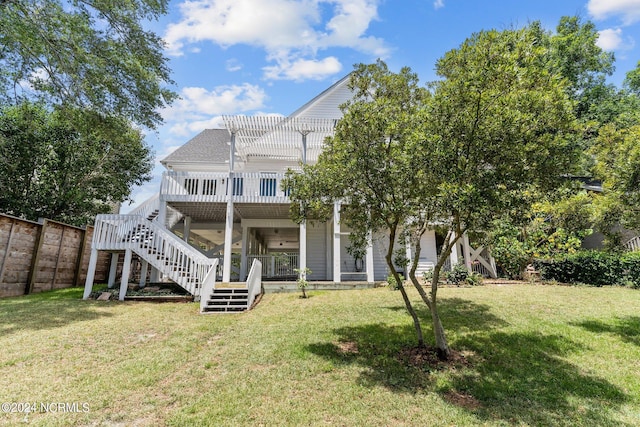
{"points": [[228, 241], [369, 259], [244, 253], [303, 248], [466, 250], [336, 243], [162, 212], [143, 273], [124, 281], [113, 270], [187, 228], [228, 231], [455, 251], [91, 272]]}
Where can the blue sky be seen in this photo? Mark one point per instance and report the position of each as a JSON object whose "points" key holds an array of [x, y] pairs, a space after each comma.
{"points": [[271, 56]]}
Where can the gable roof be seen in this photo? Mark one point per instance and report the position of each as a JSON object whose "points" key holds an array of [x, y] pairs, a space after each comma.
{"points": [[209, 146], [327, 104]]}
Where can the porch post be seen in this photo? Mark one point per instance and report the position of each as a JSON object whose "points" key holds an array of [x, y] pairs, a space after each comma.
{"points": [[455, 251], [91, 272], [244, 253], [124, 281], [302, 261], [186, 229], [162, 212], [113, 269], [228, 232], [143, 273], [466, 251], [336, 243], [369, 258]]}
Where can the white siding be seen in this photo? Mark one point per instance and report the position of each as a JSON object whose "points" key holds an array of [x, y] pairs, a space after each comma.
{"points": [[327, 104], [317, 251]]}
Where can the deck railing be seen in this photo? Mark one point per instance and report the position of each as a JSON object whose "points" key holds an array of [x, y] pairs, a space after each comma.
{"points": [[276, 265], [253, 187]]}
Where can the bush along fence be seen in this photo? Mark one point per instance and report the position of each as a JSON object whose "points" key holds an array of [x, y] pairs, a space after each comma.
{"points": [[595, 268], [45, 255]]}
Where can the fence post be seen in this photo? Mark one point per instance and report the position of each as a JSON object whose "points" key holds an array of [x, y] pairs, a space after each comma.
{"points": [[6, 251], [80, 258], [33, 271]]}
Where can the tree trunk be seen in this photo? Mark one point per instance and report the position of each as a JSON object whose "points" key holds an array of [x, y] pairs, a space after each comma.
{"points": [[442, 347], [403, 291]]}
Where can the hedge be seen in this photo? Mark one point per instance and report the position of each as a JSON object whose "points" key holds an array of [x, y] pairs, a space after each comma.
{"points": [[595, 268]]}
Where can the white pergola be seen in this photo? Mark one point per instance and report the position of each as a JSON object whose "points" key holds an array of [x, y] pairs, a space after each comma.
{"points": [[277, 137]]}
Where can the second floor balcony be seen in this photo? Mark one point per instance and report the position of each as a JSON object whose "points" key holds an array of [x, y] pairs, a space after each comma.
{"points": [[252, 187]]}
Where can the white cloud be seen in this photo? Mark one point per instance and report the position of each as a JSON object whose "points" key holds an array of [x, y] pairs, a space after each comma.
{"points": [[233, 65], [285, 29], [609, 39], [303, 69], [628, 10], [437, 4], [198, 107]]}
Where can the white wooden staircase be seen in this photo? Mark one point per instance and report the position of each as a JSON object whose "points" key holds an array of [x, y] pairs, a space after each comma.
{"points": [[174, 258]]}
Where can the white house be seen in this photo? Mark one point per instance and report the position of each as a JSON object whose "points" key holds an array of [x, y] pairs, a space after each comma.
{"points": [[220, 210]]}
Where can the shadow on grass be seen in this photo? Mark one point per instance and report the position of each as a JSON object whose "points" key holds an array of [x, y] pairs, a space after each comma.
{"points": [[627, 328], [46, 310], [514, 377]]}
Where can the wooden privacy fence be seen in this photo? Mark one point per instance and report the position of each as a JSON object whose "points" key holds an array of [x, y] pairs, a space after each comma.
{"points": [[46, 255]]}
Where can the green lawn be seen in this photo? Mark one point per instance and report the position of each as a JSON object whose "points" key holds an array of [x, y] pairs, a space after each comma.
{"points": [[537, 355]]}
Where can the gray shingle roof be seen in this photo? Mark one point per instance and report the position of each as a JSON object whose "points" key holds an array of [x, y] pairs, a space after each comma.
{"points": [[210, 145]]}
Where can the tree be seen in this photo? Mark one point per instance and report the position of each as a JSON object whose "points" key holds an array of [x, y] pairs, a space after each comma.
{"points": [[54, 165], [496, 125], [88, 54], [499, 124], [368, 164]]}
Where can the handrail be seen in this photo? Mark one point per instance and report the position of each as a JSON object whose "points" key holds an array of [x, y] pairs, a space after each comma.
{"points": [[254, 282], [208, 285], [147, 207]]}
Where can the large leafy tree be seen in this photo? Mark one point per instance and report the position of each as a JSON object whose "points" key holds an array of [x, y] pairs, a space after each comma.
{"points": [[495, 126], [89, 54], [56, 166], [368, 165]]}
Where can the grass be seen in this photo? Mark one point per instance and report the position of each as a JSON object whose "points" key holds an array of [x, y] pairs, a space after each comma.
{"points": [[538, 355]]}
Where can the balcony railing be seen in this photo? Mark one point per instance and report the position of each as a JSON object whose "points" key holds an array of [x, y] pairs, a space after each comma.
{"points": [[255, 187]]}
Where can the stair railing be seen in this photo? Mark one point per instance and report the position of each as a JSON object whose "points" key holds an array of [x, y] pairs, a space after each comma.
{"points": [[633, 244], [254, 282], [173, 257], [208, 285]]}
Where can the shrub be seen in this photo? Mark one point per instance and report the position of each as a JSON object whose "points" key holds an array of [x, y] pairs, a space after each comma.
{"points": [[393, 285], [595, 268], [457, 275]]}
